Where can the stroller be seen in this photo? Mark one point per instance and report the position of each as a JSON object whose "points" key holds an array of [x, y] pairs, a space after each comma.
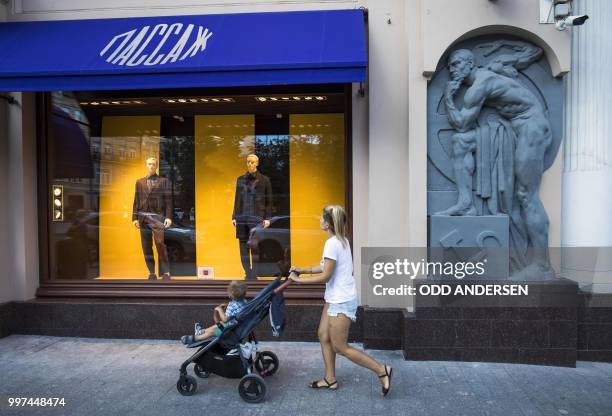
{"points": [[235, 353]]}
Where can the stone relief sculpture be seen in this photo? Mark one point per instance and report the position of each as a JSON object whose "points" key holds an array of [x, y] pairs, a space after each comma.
{"points": [[500, 145]]}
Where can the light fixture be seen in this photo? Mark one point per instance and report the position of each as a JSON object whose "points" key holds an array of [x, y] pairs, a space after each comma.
{"points": [[58, 203], [196, 100], [276, 98], [115, 102]]}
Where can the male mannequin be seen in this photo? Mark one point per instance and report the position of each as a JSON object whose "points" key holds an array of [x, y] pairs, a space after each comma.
{"points": [[152, 213], [252, 206]]}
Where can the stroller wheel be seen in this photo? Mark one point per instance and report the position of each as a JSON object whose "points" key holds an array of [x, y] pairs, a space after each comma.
{"points": [[200, 372], [266, 363], [186, 385], [252, 388]]}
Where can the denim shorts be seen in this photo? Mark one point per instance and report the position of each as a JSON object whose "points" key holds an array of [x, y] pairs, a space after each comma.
{"points": [[348, 308]]}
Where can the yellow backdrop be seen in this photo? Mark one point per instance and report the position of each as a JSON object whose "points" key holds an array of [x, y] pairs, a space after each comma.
{"points": [[316, 157], [119, 241], [222, 145]]}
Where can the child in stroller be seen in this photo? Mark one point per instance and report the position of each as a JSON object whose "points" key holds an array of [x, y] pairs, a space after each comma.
{"points": [[236, 290], [234, 352]]}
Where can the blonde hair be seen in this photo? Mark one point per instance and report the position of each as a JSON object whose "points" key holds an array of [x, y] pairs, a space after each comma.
{"points": [[335, 216], [237, 289], [153, 158]]}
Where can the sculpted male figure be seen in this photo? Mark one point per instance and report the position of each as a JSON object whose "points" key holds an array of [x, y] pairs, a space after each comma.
{"points": [[497, 86]]}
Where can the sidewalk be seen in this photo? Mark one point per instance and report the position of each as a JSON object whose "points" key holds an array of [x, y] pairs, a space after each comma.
{"points": [[138, 377]]}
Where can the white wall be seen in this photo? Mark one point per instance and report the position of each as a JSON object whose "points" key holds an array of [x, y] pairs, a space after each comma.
{"points": [[3, 10], [87, 9]]}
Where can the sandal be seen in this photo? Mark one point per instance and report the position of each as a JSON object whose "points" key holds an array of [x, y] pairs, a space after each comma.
{"points": [[327, 385], [388, 373]]}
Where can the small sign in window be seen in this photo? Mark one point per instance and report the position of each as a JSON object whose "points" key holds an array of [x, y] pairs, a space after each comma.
{"points": [[205, 272]]}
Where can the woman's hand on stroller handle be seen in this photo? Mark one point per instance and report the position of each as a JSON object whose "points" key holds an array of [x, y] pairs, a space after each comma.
{"points": [[286, 283]]}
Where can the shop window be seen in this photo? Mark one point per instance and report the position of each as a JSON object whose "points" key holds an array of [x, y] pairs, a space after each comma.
{"points": [[197, 189]]}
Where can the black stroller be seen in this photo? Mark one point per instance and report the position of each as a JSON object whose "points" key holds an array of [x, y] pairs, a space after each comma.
{"points": [[235, 353]]}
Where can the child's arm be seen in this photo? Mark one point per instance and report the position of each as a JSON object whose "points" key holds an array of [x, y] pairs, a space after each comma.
{"points": [[221, 313]]}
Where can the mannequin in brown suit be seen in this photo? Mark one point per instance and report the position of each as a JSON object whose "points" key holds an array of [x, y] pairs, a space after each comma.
{"points": [[152, 213], [252, 207]]}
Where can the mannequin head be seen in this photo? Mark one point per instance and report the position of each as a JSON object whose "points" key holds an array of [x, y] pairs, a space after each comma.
{"points": [[252, 162], [151, 166]]}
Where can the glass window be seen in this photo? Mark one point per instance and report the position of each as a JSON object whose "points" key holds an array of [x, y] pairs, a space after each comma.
{"points": [[184, 185]]}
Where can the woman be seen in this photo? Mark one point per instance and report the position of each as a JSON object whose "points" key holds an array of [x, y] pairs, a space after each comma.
{"points": [[336, 271]]}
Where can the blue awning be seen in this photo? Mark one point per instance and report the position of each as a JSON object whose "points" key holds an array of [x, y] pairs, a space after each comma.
{"points": [[184, 51]]}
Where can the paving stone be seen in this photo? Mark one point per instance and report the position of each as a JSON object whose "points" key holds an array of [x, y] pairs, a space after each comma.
{"points": [[138, 377]]}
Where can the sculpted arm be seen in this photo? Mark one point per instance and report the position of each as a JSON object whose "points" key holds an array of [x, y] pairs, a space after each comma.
{"points": [[463, 119]]}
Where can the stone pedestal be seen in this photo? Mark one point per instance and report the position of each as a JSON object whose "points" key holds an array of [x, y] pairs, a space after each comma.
{"points": [[541, 328]]}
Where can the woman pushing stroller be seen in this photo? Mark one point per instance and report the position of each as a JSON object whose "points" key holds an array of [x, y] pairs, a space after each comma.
{"points": [[336, 271]]}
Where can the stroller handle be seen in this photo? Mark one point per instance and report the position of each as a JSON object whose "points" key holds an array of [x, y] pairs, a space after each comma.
{"points": [[282, 287]]}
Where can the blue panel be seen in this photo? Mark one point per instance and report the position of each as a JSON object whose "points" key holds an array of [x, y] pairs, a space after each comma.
{"points": [[184, 51]]}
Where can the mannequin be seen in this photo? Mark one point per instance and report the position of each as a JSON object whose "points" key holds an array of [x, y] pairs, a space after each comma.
{"points": [[252, 206], [151, 214]]}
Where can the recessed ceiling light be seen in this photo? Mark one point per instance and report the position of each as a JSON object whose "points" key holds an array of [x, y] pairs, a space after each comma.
{"points": [[308, 98], [182, 100], [193, 100], [215, 100], [228, 99], [95, 103], [104, 102], [320, 98], [170, 101], [115, 102]]}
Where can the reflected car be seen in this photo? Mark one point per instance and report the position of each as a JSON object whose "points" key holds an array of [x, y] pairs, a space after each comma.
{"points": [[274, 242], [180, 241]]}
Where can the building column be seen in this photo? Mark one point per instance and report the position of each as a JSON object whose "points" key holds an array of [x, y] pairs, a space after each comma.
{"points": [[20, 237], [586, 233]]}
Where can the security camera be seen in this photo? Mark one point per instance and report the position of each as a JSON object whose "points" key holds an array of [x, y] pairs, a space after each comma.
{"points": [[564, 23]]}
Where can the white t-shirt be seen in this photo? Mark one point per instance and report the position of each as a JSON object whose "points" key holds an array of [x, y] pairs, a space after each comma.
{"points": [[341, 287]]}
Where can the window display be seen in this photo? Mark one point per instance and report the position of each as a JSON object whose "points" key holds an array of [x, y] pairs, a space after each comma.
{"points": [[168, 188]]}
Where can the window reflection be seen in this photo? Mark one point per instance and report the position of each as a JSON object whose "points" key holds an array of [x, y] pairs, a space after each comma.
{"points": [[98, 154]]}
